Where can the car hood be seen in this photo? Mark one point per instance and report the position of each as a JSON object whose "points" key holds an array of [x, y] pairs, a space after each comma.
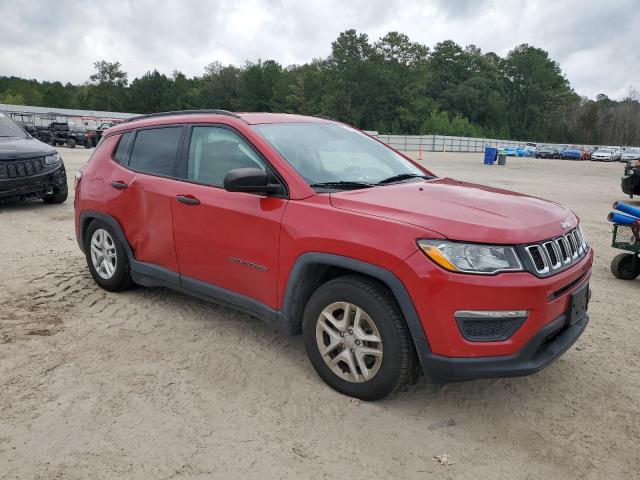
{"points": [[13, 148], [462, 211]]}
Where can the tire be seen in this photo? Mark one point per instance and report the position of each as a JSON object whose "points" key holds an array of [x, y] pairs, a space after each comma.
{"points": [[71, 143], [625, 266], [118, 278], [394, 361], [87, 144], [59, 195]]}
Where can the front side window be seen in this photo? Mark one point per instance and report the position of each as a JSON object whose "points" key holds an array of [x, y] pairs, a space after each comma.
{"points": [[215, 151], [155, 151], [324, 153]]}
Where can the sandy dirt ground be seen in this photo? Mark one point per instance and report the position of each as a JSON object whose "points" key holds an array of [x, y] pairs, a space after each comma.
{"points": [[154, 384]]}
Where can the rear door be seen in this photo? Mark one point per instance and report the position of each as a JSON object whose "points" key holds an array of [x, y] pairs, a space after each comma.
{"points": [[146, 187], [226, 239]]}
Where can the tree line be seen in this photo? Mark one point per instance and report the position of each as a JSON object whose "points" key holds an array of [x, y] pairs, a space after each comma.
{"points": [[392, 85]]}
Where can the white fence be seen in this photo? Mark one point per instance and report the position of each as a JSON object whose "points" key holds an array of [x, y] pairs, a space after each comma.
{"points": [[443, 143]]}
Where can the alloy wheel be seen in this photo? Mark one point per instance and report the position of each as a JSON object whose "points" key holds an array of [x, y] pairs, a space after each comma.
{"points": [[349, 342], [103, 253]]}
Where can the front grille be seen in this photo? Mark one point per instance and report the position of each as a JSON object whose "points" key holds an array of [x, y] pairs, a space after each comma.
{"points": [[558, 253], [21, 168]]}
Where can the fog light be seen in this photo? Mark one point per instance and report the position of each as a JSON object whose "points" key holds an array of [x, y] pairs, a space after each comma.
{"points": [[489, 325]]}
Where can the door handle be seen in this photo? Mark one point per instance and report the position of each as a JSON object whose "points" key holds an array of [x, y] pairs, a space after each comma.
{"points": [[118, 184], [188, 199]]}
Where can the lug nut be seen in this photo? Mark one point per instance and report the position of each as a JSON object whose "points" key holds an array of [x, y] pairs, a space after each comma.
{"points": [[352, 350], [350, 331], [357, 342], [342, 334]]}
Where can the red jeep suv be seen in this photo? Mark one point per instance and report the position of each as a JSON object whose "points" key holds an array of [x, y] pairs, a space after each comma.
{"points": [[323, 231]]}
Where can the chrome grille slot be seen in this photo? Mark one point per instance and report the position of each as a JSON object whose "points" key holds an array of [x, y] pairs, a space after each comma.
{"points": [[556, 254], [572, 245], [538, 258], [553, 254], [576, 237], [564, 249]]}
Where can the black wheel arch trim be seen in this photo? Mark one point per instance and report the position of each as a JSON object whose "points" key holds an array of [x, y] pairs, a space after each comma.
{"points": [[388, 278]]}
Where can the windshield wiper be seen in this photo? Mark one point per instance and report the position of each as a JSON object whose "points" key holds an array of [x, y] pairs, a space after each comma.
{"points": [[402, 176], [342, 185]]}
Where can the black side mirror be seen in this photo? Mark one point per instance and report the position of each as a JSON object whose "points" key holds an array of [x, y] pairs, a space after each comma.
{"points": [[250, 180]]}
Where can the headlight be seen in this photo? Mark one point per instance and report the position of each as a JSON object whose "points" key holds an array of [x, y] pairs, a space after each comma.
{"points": [[52, 159], [470, 257]]}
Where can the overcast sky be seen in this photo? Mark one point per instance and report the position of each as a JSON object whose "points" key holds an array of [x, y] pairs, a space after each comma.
{"points": [[595, 42]]}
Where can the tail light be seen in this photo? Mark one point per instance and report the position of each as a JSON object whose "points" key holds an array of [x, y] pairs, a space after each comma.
{"points": [[77, 179]]}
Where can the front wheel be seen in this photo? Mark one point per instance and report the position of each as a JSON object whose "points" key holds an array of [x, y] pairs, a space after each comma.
{"points": [[59, 195], [356, 338]]}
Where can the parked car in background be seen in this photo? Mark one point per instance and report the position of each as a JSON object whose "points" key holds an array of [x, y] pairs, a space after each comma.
{"points": [[77, 135], [571, 153], [617, 153], [29, 168], [516, 151], [547, 151], [508, 151], [322, 231], [586, 153], [603, 155], [531, 148], [630, 154]]}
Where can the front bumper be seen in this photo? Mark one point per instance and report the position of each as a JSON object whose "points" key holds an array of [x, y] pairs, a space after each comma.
{"points": [[33, 185], [443, 349], [547, 345]]}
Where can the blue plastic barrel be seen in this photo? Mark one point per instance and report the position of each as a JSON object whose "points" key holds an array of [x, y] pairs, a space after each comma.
{"points": [[490, 155]]}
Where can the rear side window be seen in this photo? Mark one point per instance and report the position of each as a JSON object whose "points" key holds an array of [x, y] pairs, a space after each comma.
{"points": [[120, 154], [155, 151]]}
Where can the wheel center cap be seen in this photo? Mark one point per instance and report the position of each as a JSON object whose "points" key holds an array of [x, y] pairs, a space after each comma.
{"points": [[349, 341]]}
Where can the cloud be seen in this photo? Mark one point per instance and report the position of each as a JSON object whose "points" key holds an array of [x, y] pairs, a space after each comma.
{"points": [[594, 42]]}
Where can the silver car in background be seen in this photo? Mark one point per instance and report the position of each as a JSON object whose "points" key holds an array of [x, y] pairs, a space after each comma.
{"points": [[603, 155], [630, 154]]}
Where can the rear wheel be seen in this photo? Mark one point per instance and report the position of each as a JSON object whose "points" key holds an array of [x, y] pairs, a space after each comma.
{"points": [[71, 143], [356, 338], [106, 257], [625, 266]]}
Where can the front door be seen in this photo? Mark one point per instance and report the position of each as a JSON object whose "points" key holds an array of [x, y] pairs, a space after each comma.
{"points": [[226, 239]]}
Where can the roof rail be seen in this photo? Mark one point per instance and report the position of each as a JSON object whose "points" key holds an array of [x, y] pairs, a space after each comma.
{"points": [[182, 112]]}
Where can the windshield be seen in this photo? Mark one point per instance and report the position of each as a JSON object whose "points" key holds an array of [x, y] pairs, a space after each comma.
{"points": [[8, 128], [327, 152], [632, 150]]}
